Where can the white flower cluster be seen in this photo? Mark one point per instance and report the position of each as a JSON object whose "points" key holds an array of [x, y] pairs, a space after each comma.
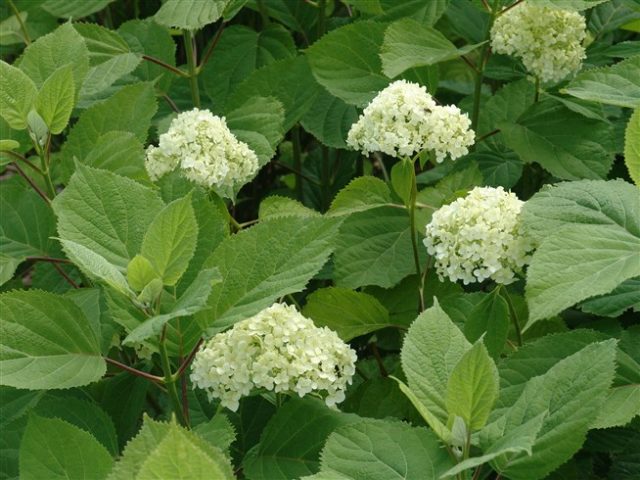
{"points": [[278, 349], [547, 39], [206, 151], [478, 237], [403, 119]]}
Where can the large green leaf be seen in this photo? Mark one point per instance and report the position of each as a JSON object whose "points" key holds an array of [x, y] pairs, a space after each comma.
{"points": [[620, 407], [55, 99], [489, 319], [54, 449], [170, 240], [618, 84], [347, 64], [17, 94], [615, 303], [135, 106], [590, 237], [382, 450], [120, 152], [329, 119], [573, 392], [374, 248], [291, 442], [190, 14], [409, 44], [349, 313], [48, 53], [472, 388], [565, 143], [166, 450], [363, 193], [288, 80], [432, 348], [252, 279], [106, 213], [239, 52], [46, 342], [632, 146]]}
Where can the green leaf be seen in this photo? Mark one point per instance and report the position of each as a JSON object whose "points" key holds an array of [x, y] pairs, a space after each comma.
{"points": [[402, 180], [352, 74], [363, 193], [615, 303], [135, 104], [95, 266], [329, 119], [432, 348], [106, 213], [565, 143], [258, 122], [518, 440], [140, 272], [54, 449], [47, 342], [55, 99], [170, 240], [472, 388], [83, 414], [192, 301], [489, 319], [119, 152], [409, 44], [252, 280], [239, 52], [166, 450], [573, 392], [291, 442], [618, 84], [288, 80], [620, 407], [382, 450], [590, 236], [190, 14], [632, 146], [17, 94], [26, 224], [48, 53], [74, 9], [350, 314], [218, 431], [374, 248], [275, 206], [147, 37]]}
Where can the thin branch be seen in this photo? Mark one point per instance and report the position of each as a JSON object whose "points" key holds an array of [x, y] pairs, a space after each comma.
{"points": [[297, 172], [134, 371], [171, 103], [486, 5], [487, 135], [376, 354], [511, 6], [470, 63], [188, 360], [171, 68], [22, 159], [211, 46], [23, 28], [65, 276], [49, 259], [32, 183]]}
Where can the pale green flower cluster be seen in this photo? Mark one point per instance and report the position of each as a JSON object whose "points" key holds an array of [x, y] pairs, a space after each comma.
{"points": [[478, 237], [547, 39], [278, 350], [403, 119], [205, 150]]}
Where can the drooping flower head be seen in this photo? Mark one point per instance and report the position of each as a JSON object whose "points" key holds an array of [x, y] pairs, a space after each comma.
{"points": [[478, 237], [279, 350], [547, 39], [205, 150], [403, 119]]}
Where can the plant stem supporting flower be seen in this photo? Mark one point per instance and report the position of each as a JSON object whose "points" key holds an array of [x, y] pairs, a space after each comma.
{"points": [[170, 381], [191, 65]]}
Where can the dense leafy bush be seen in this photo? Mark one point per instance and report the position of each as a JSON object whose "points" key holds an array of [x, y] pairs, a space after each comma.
{"points": [[321, 239]]}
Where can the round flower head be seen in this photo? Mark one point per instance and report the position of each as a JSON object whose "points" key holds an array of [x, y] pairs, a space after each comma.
{"points": [[547, 39], [403, 119], [278, 349], [205, 150], [478, 237]]}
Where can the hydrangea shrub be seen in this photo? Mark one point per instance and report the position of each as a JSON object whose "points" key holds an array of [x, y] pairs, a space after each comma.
{"points": [[328, 239]]}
